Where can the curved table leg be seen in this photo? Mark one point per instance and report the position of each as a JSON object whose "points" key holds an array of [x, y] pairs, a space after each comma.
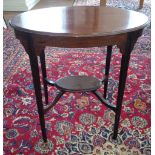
{"points": [[54, 101], [37, 87], [108, 59], [43, 68]]}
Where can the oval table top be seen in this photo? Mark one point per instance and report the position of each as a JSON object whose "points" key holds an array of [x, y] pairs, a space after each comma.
{"points": [[79, 21]]}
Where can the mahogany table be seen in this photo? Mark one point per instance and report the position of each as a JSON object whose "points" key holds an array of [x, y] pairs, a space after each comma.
{"points": [[78, 27]]}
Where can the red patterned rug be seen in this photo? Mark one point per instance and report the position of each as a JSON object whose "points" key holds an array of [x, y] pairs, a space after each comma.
{"points": [[79, 124]]}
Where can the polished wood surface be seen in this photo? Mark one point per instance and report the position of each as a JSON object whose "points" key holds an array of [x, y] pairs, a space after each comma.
{"points": [[79, 21], [78, 83]]}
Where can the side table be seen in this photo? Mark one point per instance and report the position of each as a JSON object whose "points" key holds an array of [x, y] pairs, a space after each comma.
{"points": [[78, 27]]}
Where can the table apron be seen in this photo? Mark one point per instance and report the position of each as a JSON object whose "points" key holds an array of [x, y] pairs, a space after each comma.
{"points": [[79, 42], [41, 41]]}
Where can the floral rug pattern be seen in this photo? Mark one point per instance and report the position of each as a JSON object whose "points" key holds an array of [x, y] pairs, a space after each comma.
{"points": [[78, 124]]}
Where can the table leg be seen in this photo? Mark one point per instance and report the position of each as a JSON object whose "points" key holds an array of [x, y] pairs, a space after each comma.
{"points": [[103, 2], [121, 88], [37, 87], [108, 59], [141, 3], [43, 68]]}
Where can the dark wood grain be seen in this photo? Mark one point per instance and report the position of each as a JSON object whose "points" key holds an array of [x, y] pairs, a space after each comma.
{"points": [[78, 83], [79, 21]]}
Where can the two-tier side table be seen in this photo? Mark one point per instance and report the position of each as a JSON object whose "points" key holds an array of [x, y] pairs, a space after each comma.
{"points": [[78, 27]]}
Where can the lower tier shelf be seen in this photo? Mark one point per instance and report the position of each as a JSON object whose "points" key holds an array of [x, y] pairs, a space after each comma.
{"points": [[77, 83]]}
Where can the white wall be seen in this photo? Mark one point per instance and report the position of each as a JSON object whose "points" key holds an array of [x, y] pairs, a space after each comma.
{"points": [[18, 5]]}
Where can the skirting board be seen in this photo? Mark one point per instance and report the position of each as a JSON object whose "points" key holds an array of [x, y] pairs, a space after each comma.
{"points": [[19, 5]]}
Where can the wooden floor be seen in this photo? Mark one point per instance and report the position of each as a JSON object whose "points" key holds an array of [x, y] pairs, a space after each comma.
{"points": [[42, 4]]}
